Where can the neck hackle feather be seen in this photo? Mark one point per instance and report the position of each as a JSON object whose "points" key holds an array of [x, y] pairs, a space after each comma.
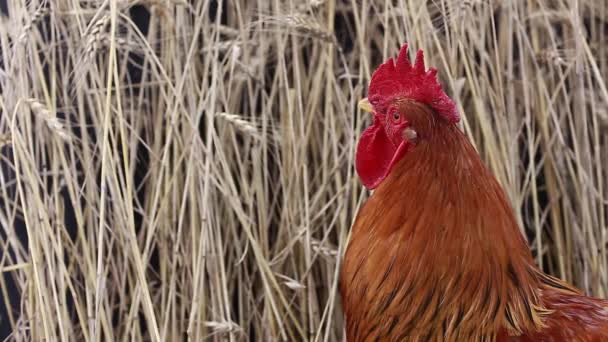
{"points": [[435, 253]]}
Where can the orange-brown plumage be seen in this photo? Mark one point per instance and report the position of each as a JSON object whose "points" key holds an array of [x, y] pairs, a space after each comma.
{"points": [[436, 254]]}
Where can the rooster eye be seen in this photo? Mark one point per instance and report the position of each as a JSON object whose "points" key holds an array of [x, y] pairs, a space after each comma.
{"points": [[396, 116]]}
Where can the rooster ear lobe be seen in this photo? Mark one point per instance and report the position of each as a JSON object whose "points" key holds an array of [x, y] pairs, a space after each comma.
{"points": [[403, 61]]}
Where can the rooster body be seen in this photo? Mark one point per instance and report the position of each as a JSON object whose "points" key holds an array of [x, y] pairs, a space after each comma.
{"points": [[435, 253]]}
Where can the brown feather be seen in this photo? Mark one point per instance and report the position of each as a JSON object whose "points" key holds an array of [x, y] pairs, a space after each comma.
{"points": [[435, 253], [574, 317]]}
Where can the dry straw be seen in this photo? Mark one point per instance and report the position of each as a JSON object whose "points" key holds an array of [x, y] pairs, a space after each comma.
{"points": [[33, 20], [239, 123], [49, 118]]}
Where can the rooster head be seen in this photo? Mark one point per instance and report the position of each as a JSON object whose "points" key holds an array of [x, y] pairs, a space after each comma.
{"points": [[396, 88]]}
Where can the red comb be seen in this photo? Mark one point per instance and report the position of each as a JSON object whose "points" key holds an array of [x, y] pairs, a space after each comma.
{"points": [[409, 81]]}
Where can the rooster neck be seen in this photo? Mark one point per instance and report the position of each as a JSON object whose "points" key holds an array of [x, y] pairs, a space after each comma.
{"points": [[437, 245], [444, 172]]}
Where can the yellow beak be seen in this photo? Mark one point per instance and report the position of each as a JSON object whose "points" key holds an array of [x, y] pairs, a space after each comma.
{"points": [[365, 106]]}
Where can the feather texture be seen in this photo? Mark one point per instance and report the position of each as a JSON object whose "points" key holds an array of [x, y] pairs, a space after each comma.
{"points": [[436, 255]]}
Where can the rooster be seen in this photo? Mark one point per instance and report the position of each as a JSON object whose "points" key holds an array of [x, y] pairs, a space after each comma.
{"points": [[435, 253]]}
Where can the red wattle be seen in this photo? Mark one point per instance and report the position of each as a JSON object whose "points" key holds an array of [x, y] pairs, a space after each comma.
{"points": [[376, 156]]}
